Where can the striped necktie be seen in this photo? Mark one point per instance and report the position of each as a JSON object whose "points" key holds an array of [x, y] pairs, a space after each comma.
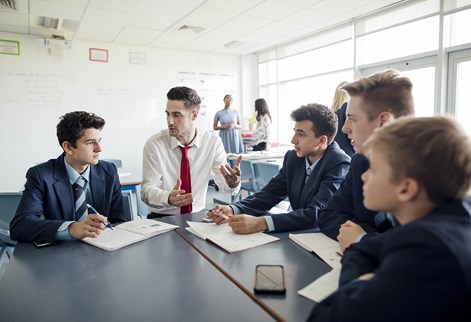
{"points": [[185, 177], [79, 197]]}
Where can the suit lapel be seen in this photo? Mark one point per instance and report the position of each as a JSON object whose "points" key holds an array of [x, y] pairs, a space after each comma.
{"points": [[63, 189], [298, 180], [97, 182]]}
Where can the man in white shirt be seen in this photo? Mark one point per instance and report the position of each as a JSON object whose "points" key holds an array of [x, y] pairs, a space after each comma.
{"points": [[163, 173]]}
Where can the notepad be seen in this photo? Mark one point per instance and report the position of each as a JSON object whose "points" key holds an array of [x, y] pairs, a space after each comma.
{"points": [[129, 233], [322, 287], [326, 248], [224, 237]]}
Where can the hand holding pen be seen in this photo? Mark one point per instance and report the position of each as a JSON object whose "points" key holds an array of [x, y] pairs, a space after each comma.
{"points": [[107, 223]]}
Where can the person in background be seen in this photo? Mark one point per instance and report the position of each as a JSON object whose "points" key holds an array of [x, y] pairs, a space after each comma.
{"points": [[309, 176], [228, 129], [178, 161], [263, 125], [339, 106], [54, 202], [420, 172], [374, 101]]}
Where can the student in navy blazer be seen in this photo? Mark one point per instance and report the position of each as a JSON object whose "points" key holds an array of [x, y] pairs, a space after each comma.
{"points": [[314, 153], [374, 101], [421, 270], [47, 208]]}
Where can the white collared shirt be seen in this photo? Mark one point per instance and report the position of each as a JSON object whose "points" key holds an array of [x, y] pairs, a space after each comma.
{"points": [[161, 169]]}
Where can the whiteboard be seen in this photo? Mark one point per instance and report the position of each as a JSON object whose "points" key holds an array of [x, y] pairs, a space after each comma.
{"points": [[37, 88]]}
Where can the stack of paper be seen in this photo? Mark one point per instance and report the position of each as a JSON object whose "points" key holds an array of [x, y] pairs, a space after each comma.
{"points": [[129, 233], [326, 248], [224, 237]]}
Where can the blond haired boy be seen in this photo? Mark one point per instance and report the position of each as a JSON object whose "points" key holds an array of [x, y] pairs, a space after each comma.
{"points": [[420, 171]]}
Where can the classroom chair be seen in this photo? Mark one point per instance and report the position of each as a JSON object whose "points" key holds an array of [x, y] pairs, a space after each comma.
{"points": [[248, 181], [142, 208], [264, 172], [117, 162], [8, 204], [127, 204]]}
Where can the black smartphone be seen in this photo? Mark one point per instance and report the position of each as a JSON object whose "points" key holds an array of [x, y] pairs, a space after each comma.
{"points": [[270, 279]]}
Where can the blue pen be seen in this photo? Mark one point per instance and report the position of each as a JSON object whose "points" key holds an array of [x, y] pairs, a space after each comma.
{"points": [[107, 223]]}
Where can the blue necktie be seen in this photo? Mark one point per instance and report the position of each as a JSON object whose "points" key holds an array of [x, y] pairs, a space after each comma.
{"points": [[79, 196]]}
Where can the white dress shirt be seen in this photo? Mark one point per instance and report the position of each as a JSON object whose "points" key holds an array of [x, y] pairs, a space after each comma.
{"points": [[161, 169]]}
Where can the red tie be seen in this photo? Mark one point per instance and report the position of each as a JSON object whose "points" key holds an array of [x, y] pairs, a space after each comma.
{"points": [[186, 178]]}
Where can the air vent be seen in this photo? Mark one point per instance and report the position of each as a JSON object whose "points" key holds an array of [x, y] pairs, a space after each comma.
{"points": [[233, 44], [11, 4], [195, 29]]}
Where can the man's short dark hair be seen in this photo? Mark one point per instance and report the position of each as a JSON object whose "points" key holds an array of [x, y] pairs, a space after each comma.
{"points": [[73, 124], [324, 121], [187, 95]]}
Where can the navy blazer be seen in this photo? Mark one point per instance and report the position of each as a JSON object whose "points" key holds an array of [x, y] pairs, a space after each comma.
{"points": [[347, 203], [48, 199], [422, 272], [305, 199]]}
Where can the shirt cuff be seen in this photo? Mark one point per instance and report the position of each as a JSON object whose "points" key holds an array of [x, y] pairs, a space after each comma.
{"points": [[235, 210], [63, 231], [359, 237], [270, 224]]}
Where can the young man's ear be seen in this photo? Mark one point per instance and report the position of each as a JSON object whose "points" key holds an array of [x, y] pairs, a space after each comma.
{"points": [[67, 147], [194, 114], [385, 117], [408, 189]]}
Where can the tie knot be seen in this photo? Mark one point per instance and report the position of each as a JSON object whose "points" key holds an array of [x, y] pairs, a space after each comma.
{"points": [[80, 182], [184, 149]]}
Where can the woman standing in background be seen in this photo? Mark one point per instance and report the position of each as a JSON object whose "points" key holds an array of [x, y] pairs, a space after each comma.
{"points": [[263, 125], [230, 122], [339, 106]]}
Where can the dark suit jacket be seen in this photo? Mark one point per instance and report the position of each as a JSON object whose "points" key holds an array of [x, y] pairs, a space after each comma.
{"points": [[342, 138], [48, 199], [347, 203], [422, 272], [305, 199]]}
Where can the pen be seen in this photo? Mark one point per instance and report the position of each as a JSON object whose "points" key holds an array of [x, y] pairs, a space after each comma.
{"points": [[107, 223]]}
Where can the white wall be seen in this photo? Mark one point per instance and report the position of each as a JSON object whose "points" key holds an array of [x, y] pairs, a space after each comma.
{"points": [[36, 88]]}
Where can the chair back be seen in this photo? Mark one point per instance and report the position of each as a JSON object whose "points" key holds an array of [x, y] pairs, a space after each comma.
{"points": [[9, 202], [142, 209], [247, 179], [264, 172], [127, 204], [117, 162]]}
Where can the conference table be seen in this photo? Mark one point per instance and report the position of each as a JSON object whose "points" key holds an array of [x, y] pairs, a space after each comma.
{"points": [[171, 277]]}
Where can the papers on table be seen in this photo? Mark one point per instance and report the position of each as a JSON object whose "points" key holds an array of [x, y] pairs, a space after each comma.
{"points": [[326, 248], [224, 237], [129, 233], [329, 251], [322, 287]]}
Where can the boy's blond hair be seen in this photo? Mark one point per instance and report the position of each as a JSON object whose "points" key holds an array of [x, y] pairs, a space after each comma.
{"points": [[386, 91], [435, 151]]}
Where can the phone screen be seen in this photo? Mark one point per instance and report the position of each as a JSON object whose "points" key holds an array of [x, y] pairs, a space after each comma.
{"points": [[270, 279]]}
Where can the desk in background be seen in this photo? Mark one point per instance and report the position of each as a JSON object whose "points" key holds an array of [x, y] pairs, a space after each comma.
{"points": [[160, 279], [130, 177]]}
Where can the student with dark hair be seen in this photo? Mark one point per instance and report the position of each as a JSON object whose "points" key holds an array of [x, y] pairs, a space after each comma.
{"points": [[263, 125], [420, 172], [54, 202], [310, 174], [179, 161]]}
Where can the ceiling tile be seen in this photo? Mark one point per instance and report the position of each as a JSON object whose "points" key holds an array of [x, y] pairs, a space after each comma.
{"points": [[273, 10], [137, 36], [69, 9]]}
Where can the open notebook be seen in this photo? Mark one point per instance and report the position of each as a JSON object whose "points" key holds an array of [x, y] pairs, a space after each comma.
{"points": [[129, 233], [224, 237]]}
